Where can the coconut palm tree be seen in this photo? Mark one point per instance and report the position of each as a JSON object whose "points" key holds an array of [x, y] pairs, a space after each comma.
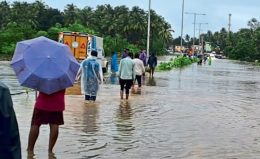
{"points": [[23, 14], [187, 38], [4, 14], [86, 16], [71, 14], [136, 25], [253, 24], [121, 15]]}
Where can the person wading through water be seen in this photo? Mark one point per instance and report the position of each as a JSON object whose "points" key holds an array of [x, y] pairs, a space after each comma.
{"points": [[126, 75]]}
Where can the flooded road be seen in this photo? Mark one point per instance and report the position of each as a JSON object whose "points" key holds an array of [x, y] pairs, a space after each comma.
{"points": [[199, 112]]}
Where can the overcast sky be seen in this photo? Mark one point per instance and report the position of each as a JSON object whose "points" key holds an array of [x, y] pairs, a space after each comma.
{"points": [[216, 11]]}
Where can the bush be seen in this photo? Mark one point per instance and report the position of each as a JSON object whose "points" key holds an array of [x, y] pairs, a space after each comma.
{"points": [[117, 44], [8, 48], [178, 62], [41, 33]]}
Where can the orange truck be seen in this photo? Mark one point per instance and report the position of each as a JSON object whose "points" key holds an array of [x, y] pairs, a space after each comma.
{"points": [[82, 44]]}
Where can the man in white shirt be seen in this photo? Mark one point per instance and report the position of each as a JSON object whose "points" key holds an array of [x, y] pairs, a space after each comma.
{"points": [[126, 75], [139, 70]]}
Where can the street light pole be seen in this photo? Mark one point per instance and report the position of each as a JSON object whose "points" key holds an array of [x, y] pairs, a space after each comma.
{"points": [[194, 29], [200, 30], [195, 15], [182, 21], [148, 29]]}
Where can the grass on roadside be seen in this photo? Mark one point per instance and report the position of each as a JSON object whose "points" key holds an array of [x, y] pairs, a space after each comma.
{"points": [[5, 57], [178, 62]]}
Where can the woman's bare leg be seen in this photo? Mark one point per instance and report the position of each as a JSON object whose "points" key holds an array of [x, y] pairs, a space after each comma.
{"points": [[54, 132], [33, 135]]}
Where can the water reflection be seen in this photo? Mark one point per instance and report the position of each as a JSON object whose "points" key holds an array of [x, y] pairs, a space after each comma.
{"points": [[51, 156], [90, 114], [124, 127], [151, 81], [114, 79], [124, 111], [30, 156], [193, 113], [33, 156]]}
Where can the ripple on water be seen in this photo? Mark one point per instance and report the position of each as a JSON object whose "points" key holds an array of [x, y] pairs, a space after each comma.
{"points": [[195, 112]]}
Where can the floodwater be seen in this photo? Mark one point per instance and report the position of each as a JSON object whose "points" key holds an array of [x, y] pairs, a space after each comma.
{"points": [[199, 112]]}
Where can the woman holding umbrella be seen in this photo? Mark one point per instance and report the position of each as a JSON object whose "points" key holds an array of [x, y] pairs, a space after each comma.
{"points": [[48, 110], [48, 67]]}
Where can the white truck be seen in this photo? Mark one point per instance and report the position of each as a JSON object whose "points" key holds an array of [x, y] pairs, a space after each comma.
{"points": [[96, 43]]}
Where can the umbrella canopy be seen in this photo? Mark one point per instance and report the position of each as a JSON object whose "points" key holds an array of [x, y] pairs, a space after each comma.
{"points": [[44, 65]]}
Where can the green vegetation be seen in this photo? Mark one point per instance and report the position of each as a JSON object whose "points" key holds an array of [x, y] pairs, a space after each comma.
{"points": [[243, 45], [120, 26], [177, 62]]}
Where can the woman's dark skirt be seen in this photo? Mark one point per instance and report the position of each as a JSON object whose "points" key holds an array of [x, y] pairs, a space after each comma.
{"points": [[47, 117]]}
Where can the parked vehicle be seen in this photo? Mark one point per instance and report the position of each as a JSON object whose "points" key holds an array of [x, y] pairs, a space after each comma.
{"points": [[82, 44]]}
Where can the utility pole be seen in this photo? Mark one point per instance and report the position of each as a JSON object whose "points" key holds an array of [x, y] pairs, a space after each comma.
{"points": [[199, 33], [195, 15], [229, 22], [202, 47], [182, 15], [148, 29]]}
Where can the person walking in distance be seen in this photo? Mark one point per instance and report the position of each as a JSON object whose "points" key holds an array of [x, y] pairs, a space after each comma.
{"points": [[139, 70], [152, 63], [125, 53], [143, 56], [114, 64], [126, 75]]}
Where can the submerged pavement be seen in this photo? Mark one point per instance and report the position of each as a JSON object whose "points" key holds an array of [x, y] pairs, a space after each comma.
{"points": [[198, 112]]}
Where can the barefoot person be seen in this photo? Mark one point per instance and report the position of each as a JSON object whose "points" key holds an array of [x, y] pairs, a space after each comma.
{"points": [[139, 71], [126, 75], [91, 77], [152, 63], [48, 110]]}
